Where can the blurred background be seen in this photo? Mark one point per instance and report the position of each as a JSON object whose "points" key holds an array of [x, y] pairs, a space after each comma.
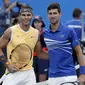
{"points": [[40, 7]]}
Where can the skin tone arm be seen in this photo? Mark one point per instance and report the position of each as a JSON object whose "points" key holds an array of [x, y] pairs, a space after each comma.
{"points": [[79, 55], [40, 53], [81, 61], [3, 42]]}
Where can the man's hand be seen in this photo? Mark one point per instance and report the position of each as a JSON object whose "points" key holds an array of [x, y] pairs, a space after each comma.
{"points": [[82, 79], [11, 68], [14, 4]]}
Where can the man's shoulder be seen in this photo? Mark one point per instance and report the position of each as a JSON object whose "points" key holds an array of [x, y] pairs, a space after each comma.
{"points": [[14, 26], [33, 29], [45, 30], [69, 22], [74, 22], [66, 28], [7, 33]]}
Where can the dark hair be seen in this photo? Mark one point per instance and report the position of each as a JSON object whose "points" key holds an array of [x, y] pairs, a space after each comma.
{"points": [[24, 9], [21, 5], [54, 6], [77, 12], [38, 18]]}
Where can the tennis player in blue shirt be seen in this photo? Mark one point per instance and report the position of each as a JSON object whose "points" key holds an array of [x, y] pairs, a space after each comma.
{"points": [[60, 40]]}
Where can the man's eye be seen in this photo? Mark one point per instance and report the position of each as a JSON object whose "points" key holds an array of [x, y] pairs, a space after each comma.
{"points": [[28, 14], [50, 13], [54, 13], [23, 14]]}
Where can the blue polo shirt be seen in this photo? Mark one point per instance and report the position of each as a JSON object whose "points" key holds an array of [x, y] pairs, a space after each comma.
{"points": [[76, 24], [60, 44]]}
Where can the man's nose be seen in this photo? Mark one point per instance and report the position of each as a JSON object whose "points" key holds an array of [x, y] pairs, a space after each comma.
{"points": [[26, 16]]}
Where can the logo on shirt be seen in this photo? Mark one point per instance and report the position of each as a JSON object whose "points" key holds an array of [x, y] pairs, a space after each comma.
{"points": [[32, 36], [17, 35], [62, 36]]}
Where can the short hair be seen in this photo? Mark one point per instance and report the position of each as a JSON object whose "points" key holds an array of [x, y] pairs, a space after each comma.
{"points": [[77, 12], [28, 6], [54, 5]]}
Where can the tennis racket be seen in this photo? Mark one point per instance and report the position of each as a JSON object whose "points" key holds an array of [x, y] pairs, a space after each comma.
{"points": [[20, 57], [71, 83]]}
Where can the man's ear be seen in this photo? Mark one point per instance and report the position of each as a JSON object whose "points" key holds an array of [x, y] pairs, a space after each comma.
{"points": [[60, 14]]}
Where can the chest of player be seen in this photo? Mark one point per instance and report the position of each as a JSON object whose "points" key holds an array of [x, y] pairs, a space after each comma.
{"points": [[56, 37], [27, 38]]}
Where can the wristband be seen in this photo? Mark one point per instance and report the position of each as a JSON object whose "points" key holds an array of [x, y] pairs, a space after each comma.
{"points": [[3, 59], [82, 69]]}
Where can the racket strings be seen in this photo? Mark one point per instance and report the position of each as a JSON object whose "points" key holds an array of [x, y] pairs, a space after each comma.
{"points": [[71, 83], [21, 56]]}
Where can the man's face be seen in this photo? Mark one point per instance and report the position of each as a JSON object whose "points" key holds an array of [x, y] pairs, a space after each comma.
{"points": [[25, 18], [54, 16], [38, 24], [6, 3]]}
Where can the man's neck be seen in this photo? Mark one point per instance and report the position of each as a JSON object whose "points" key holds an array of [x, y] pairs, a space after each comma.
{"points": [[23, 27], [54, 27]]}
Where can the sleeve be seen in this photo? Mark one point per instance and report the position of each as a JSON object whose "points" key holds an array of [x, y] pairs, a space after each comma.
{"points": [[73, 37], [67, 23]]}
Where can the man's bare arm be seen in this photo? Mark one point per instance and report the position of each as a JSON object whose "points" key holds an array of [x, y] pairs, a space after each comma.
{"points": [[4, 40], [79, 55], [40, 53], [3, 43], [81, 62]]}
